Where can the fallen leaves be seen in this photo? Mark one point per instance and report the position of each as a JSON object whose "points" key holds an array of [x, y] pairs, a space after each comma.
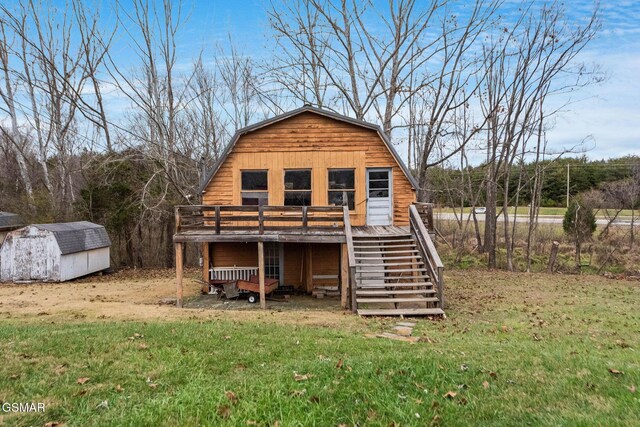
{"points": [[450, 395], [53, 424], [135, 336], [615, 371], [299, 377], [224, 411], [485, 384], [298, 393], [231, 396], [82, 380], [339, 364], [103, 405], [119, 388], [632, 388]]}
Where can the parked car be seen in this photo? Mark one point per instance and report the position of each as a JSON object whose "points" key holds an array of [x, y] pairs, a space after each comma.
{"points": [[480, 210]]}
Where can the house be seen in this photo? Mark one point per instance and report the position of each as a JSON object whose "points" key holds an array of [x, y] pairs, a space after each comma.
{"points": [[54, 252], [313, 198], [8, 222]]}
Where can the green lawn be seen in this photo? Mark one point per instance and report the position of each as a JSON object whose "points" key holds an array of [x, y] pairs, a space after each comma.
{"points": [[516, 350]]}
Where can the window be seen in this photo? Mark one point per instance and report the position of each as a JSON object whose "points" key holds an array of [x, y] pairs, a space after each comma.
{"points": [[297, 188], [378, 184], [254, 188], [341, 187]]}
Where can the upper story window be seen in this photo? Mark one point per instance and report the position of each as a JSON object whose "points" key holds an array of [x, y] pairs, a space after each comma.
{"points": [[297, 188], [342, 189], [255, 187]]}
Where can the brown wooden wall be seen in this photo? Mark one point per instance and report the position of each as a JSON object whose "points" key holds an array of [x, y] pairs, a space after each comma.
{"points": [[310, 141], [325, 259], [234, 254]]}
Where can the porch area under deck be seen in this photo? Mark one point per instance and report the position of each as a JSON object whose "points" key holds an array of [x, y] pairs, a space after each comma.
{"points": [[246, 233]]}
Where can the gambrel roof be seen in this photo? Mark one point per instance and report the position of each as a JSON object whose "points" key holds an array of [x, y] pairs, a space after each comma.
{"points": [[79, 236], [308, 109], [10, 221]]}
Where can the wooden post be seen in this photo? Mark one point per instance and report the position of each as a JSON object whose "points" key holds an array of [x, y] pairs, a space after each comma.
{"points": [[205, 263], [260, 220], [263, 300], [552, 258], [353, 288], [177, 218], [304, 218], [308, 270], [179, 273], [217, 209], [344, 275]]}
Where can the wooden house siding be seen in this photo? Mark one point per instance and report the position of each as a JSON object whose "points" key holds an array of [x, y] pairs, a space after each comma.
{"points": [[316, 142], [325, 260], [234, 254]]}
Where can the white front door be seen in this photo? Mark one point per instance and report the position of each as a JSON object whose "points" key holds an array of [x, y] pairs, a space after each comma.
{"points": [[379, 195]]}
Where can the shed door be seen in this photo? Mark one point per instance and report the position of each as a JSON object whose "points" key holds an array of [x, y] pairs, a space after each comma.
{"points": [[30, 259], [379, 197]]}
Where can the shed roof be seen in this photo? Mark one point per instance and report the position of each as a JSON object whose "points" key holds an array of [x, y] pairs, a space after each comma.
{"points": [[319, 111], [10, 220], [78, 236]]}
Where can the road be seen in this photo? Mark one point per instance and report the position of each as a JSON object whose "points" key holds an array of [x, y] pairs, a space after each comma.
{"points": [[542, 219]]}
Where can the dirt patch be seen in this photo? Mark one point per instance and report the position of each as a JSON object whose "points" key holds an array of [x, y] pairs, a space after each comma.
{"points": [[143, 295], [472, 297]]}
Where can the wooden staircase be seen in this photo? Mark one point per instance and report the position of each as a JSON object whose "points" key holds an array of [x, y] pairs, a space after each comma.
{"points": [[395, 271], [391, 278]]}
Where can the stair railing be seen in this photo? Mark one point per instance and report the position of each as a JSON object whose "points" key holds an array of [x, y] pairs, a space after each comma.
{"points": [[352, 258], [428, 251]]}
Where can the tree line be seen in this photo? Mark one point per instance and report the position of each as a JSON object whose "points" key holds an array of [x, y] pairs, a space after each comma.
{"points": [[92, 133], [576, 174]]}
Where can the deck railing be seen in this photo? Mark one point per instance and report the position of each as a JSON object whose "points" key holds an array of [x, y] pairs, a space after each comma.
{"points": [[352, 258], [428, 251], [261, 218]]}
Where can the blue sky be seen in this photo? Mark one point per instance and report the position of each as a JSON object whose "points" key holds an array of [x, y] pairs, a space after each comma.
{"points": [[606, 115]]}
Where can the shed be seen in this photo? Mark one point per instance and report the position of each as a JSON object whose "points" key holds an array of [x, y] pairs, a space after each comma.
{"points": [[54, 252], [8, 222]]}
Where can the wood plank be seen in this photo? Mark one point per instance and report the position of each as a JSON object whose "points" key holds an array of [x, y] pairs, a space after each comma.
{"points": [[387, 270], [391, 264], [344, 275], [263, 299], [385, 258], [205, 262], [308, 268], [428, 285], [380, 277], [409, 247], [401, 311], [391, 300], [359, 243], [179, 273], [365, 292]]}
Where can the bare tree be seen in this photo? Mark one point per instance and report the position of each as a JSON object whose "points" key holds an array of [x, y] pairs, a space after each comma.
{"points": [[533, 62], [17, 143]]}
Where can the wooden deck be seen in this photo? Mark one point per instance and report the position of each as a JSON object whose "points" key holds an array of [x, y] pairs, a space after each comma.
{"points": [[304, 224], [285, 234], [378, 230]]}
